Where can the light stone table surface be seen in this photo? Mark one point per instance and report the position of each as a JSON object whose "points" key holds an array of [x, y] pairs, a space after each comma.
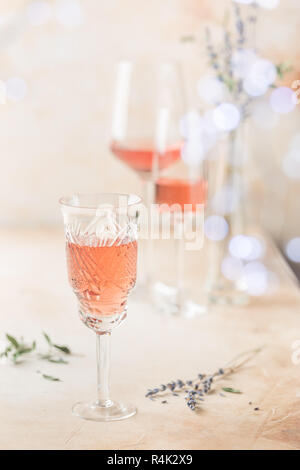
{"points": [[147, 350]]}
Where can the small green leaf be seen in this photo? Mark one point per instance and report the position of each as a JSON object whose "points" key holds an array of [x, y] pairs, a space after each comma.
{"points": [[47, 338], [50, 377], [64, 349], [13, 341], [188, 38], [59, 360], [5, 352], [20, 352], [231, 390], [53, 359], [229, 82], [24, 351], [283, 68]]}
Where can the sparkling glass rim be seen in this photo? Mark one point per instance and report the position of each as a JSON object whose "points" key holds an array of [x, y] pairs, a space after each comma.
{"points": [[73, 201]]}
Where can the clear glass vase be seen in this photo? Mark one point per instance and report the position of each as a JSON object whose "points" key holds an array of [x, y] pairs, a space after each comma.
{"points": [[226, 224]]}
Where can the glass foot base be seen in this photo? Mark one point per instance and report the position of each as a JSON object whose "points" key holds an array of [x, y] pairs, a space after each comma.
{"points": [[223, 295], [95, 412]]}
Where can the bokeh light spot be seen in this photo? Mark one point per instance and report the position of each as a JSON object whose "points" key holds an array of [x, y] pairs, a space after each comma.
{"points": [[232, 268], [38, 13], [255, 87], [257, 249], [261, 74], [226, 116], [255, 278], [69, 13], [211, 90], [268, 4], [244, 2], [200, 135], [190, 125], [2, 92], [282, 100], [246, 247], [16, 89], [242, 61], [292, 250], [240, 246], [215, 228], [193, 152]]}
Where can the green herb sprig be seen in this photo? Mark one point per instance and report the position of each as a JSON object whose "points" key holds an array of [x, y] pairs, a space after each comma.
{"points": [[49, 377], [52, 355], [231, 390], [17, 351]]}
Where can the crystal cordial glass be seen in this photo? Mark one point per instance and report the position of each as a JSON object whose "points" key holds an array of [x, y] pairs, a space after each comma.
{"points": [[101, 248]]}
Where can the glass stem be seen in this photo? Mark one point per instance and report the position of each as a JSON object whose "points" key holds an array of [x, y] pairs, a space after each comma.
{"points": [[179, 247], [103, 369], [148, 196]]}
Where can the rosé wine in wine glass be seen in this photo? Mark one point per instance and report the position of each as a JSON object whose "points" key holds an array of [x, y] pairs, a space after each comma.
{"points": [[171, 191], [140, 157], [102, 276], [101, 248]]}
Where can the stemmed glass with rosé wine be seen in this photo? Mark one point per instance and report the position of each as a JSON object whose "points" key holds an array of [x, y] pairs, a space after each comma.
{"points": [[181, 194], [101, 249], [142, 88]]}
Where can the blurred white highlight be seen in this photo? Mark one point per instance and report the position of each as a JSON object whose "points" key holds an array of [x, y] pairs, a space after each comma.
{"points": [[282, 100], [255, 278], [244, 2], [190, 124], [268, 4], [216, 228], [38, 13], [246, 247], [232, 268], [211, 90], [121, 99], [226, 117], [200, 134], [69, 13], [161, 134], [292, 250], [242, 61], [261, 74], [16, 89], [2, 92]]}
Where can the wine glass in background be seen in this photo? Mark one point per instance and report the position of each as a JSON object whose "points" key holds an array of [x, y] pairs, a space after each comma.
{"points": [[181, 195], [101, 248], [142, 88]]}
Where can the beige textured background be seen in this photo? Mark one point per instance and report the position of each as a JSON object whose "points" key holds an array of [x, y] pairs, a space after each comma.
{"points": [[55, 141]]}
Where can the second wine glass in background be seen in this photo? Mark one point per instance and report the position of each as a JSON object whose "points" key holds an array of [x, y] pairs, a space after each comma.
{"points": [[142, 89], [181, 194]]}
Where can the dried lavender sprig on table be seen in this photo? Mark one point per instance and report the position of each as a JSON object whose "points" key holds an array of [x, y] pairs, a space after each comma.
{"points": [[197, 388]]}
